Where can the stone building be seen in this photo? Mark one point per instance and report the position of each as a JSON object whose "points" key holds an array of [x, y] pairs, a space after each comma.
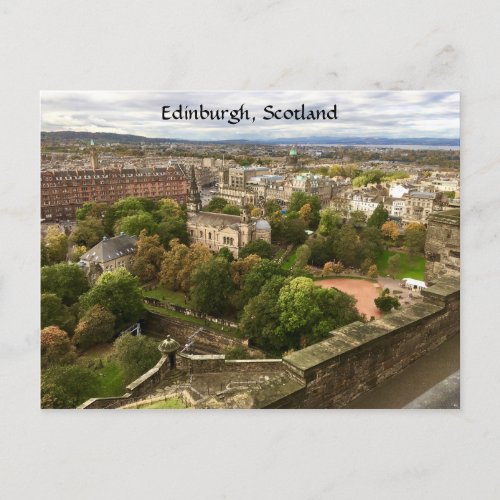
{"points": [[233, 184], [110, 254], [217, 230], [442, 245], [64, 191]]}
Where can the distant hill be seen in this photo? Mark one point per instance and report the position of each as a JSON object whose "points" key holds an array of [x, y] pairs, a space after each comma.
{"points": [[105, 137]]}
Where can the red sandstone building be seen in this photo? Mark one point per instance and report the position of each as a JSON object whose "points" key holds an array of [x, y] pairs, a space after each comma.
{"points": [[64, 191]]}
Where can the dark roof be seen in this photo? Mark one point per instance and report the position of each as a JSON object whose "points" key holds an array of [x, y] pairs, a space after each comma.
{"points": [[423, 194], [111, 248], [215, 219]]}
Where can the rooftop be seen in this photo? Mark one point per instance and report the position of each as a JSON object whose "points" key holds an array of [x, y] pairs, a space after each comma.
{"points": [[111, 248]]}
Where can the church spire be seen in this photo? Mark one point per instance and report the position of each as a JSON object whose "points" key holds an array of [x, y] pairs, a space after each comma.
{"points": [[194, 198]]}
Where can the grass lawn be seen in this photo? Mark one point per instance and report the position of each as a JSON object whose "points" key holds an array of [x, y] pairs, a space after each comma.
{"points": [[290, 261], [411, 267], [190, 319], [172, 403], [163, 293], [111, 380]]}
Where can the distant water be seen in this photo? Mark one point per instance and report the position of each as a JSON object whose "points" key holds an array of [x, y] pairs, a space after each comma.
{"points": [[399, 146]]}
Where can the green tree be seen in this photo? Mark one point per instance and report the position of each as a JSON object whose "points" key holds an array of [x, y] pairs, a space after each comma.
{"points": [[321, 249], [329, 221], [173, 228], [378, 217], [225, 253], [415, 238], [372, 243], [258, 276], [67, 281], [119, 292], [299, 199], [241, 267], [95, 327], [56, 347], [91, 209], [231, 210], [56, 245], [303, 253], [212, 286], [393, 265], [258, 247], [148, 257], [260, 318], [308, 312], [294, 231], [87, 232], [347, 246], [134, 224], [357, 219], [216, 204], [136, 355], [55, 313], [67, 386], [386, 302]]}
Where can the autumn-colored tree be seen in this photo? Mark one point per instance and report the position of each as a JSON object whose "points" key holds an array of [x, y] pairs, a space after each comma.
{"points": [[172, 264], [56, 347], [95, 327], [239, 268], [148, 257], [56, 245], [255, 212], [337, 267], [390, 230], [305, 213], [76, 251], [198, 254], [328, 267], [372, 271]]}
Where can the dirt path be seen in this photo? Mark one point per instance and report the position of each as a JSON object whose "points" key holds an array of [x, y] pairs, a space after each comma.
{"points": [[364, 291]]}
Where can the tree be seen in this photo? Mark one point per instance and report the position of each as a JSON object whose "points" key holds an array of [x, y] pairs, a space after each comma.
{"points": [[372, 244], [216, 204], [87, 232], [415, 238], [393, 264], [260, 317], [148, 257], [75, 252], [95, 327], [67, 281], [255, 212], [212, 286], [91, 209], [56, 245], [119, 292], [173, 228], [134, 224], [136, 355], [303, 253], [357, 219], [258, 247], [337, 267], [294, 231], [257, 277], [346, 247], [67, 386], [372, 271], [308, 312], [386, 302], [172, 264], [299, 199], [390, 230], [329, 221], [56, 347], [378, 217], [225, 253], [239, 268], [305, 213], [55, 313], [168, 208], [321, 249], [231, 210], [328, 268], [197, 255]]}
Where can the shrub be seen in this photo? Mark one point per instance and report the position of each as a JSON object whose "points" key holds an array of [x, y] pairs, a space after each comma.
{"points": [[95, 327], [56, 347]]}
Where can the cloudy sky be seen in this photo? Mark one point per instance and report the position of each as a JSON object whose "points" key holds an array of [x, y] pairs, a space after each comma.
{"points": [[409, 114]]}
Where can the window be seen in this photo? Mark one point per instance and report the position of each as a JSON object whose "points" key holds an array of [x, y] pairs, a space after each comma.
{"points": [[209, 236]]}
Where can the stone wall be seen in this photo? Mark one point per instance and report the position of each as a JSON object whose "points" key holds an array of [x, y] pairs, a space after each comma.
{"points": [[359, 356], [442, 245], [206, 340], [192, 363]]}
